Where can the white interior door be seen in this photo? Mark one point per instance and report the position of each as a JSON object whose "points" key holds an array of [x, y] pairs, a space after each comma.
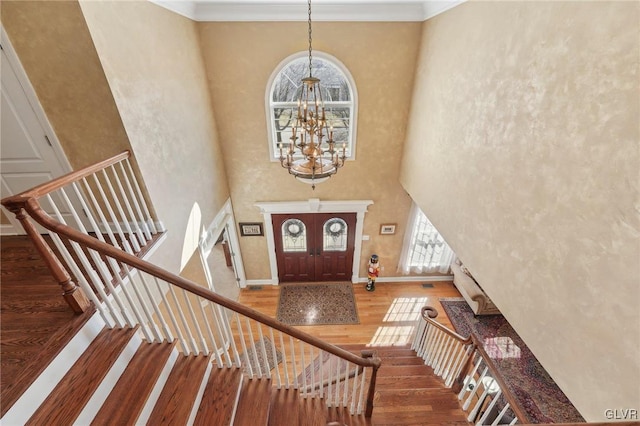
{"points": [[28, 155]]}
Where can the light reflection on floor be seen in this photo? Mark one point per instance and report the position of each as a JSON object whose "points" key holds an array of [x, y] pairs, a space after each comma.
{"points": [[403, 312], [501, 347]]}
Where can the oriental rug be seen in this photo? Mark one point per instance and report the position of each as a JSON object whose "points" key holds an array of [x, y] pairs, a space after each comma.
{"points": [[256, 360], [526, 379], [317, 304]]}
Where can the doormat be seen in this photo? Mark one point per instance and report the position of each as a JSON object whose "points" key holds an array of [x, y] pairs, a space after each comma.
{"points": [[317, 304]]}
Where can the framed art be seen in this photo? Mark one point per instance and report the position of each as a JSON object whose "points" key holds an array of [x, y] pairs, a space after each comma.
{"points": [[251, 229], [387, 229]]}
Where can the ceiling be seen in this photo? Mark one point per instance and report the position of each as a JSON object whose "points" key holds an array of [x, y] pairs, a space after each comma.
{"points": [[296, 10]]}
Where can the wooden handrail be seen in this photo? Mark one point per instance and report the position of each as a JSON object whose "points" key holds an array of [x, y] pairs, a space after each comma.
{"points": [[39, 215], [428, 314]]}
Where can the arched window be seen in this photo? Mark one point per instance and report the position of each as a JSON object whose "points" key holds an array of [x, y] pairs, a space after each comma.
{"points": [[339, 95]]}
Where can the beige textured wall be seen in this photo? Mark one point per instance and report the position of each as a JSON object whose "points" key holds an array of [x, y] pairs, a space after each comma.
{"points": [[527, 114], [152, 60], [65, 72], [239, 59]]}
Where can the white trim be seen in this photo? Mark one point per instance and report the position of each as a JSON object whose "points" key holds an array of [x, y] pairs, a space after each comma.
{"points": [[224, 220], [313, 205], [261, 282], [411, 279], [353, 118], [295, 10], [32, 97]]}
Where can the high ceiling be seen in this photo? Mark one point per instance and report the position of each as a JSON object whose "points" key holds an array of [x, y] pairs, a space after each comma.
{"points": [[296, 10]]}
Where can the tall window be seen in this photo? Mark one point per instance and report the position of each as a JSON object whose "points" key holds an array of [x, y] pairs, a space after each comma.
{"points": [[424, 248], [339, 95]]}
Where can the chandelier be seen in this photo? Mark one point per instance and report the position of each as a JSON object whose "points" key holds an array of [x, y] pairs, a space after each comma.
{"points": [[309, 157]]}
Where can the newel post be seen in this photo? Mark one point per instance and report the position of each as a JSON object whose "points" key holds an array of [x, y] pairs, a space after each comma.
{"points": [[73, 294], [368, 412]]}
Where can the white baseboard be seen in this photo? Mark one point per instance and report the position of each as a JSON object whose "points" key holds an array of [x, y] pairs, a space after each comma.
{"points": [[261, 282], [406, 279], [412, 278]]}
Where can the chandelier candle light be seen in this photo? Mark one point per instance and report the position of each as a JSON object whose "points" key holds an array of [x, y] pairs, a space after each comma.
{"points": [[316, 160]]}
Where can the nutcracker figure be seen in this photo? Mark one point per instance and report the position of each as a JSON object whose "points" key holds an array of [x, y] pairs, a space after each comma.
{"points": [[372, 272]]}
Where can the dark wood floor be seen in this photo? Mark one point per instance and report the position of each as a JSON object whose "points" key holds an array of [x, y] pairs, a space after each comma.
{"points": [[35, 319]]}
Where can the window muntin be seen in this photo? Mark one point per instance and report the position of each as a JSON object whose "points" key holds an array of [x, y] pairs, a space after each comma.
{"points": [[425, 250], [338, 94]]}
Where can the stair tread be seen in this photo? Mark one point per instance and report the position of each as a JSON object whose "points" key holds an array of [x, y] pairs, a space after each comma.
{"points": [[287, 408], [253, 407], [66, 401], [404, 370], [182, 386], [220, 395], [128, 397]]}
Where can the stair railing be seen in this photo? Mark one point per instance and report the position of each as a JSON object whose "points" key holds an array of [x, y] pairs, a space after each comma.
{"points": [[130, 291], [465, 366]]}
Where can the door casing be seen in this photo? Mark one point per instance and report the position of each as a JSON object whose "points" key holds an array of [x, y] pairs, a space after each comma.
{"points": [[313, 205]]}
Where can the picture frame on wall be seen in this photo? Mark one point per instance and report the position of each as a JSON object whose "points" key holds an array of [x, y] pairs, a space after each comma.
{"points": [[387, 229], [251, 229]]}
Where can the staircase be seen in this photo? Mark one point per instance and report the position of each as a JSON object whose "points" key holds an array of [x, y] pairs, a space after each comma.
{"points": [[122, 379]]}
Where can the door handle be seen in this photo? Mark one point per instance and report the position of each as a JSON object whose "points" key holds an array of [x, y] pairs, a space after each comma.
{"points": [[311, 252], [318, 252]]}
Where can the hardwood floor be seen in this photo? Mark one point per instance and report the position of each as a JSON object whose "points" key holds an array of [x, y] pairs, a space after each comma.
{"points": [[387, 315], [37, 323]]}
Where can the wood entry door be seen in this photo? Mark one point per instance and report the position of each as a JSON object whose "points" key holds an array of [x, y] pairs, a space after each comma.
{"points": [[314, 246]]}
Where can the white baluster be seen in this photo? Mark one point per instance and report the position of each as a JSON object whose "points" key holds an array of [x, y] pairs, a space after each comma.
{"points": [[114, 221], [285, 364], [469, 378], [362, 393], [125, 222], [304, 370], [275, 359], [488, 410], [136, 207], [466, 404], [129, 217], [293, 363], [189, 337], [143, 202], [172, 317], [93, 276], [245, 351], [263, 349], [252, 342]]}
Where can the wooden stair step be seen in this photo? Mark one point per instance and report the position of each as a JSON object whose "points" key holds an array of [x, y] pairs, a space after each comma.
{"points": [[129, 396], [408, 382], [69, 397], [220, 396], [255, 398], [341, 416], [404, 370], [288, 408], [441, 398], [402, 360], [175, 403]]}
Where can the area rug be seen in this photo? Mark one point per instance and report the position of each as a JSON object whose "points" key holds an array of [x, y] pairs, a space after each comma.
{"points": [[317, 304], [249, 359], [526, 379]]}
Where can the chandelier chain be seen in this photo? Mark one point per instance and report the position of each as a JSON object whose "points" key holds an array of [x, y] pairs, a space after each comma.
{"points": [[309, 2]]}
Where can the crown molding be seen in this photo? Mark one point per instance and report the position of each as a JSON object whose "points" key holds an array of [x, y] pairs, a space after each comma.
{"points": [[295, 10]]}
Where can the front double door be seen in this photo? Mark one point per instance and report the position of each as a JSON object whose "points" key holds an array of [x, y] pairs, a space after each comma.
{"points": [[314, 246]]}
